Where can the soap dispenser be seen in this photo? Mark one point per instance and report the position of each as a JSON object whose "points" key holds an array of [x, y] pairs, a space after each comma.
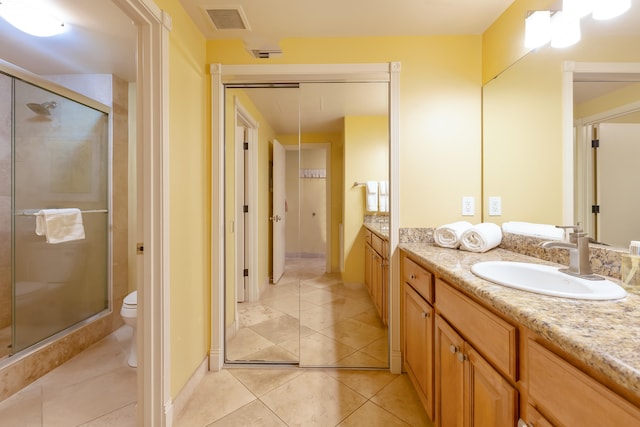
{"points": [[630, 266]]}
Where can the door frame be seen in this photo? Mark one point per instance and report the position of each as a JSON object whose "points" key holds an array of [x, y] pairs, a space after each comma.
{"points": [[154, 403], [286, 73], [244, 118]]}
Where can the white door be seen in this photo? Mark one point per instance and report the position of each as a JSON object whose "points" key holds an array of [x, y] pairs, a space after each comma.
{"points": [[240, 226], [278, 211], [617, 161]]}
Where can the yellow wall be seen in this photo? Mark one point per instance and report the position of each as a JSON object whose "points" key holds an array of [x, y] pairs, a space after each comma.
{"points": [[440, 111], [190, 196], [522, 121], [366, 158]]}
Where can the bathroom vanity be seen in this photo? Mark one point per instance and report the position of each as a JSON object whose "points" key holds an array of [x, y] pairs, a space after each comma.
{"points": [[376, 268], [479, 353]]}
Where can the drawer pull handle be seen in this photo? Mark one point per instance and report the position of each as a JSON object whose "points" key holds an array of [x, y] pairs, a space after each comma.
{"points": [[462, 357], [453, 349]]}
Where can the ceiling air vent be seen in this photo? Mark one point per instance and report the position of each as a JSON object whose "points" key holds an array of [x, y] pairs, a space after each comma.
{"points": [[228, 18], [266, 53]]}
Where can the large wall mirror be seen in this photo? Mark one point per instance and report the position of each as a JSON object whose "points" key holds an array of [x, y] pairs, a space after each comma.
{"points": [[294, 256], [539, 117]]}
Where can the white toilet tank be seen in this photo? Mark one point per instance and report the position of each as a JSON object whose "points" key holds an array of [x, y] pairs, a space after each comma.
{"points": [[56, 263]]}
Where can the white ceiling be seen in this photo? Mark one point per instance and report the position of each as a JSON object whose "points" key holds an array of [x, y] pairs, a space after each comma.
{"points": [[101, 39]]}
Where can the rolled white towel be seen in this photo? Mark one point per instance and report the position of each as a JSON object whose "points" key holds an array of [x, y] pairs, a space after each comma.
{"points": [[481, 237], [546, 231], [448, 235]]}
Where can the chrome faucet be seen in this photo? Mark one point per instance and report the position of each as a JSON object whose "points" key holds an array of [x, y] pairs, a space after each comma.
{"points": [[578, 245]]}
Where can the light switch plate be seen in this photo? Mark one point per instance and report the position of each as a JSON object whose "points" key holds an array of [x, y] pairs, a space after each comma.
{"points": [[468, 206], [495, 206]]}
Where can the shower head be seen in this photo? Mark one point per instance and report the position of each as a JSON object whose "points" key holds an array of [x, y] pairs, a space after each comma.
{"points": [[43, 109]]}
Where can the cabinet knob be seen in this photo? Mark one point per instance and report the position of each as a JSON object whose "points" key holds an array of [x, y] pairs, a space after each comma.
{"points": [[425, 314], [453, 349], [462, 357], [412, 277], [521, 423]]}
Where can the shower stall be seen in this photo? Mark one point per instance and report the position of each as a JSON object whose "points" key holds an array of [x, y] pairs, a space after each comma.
{"points": [[54, 154]]}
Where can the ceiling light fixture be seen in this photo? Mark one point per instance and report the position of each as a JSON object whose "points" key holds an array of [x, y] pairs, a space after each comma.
{"points": [[30, 17], [577, 8], [537, 29], [565, 30], [608, 9]]}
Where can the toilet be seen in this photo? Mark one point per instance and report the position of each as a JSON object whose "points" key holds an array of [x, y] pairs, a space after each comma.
{"points": [[129, 313]]}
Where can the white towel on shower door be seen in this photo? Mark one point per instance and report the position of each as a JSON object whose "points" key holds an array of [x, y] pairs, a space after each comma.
{"points": [[371, 196], [60, 225]]}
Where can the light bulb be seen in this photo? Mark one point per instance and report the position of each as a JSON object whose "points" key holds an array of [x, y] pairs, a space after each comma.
{"points": [[537, 29], [31, 18]]}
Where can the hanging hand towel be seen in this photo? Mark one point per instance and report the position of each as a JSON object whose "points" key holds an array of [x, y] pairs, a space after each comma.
{"points": [[545, 231], [60, 225], [481, 237], [383, 201], [448, 235], [372, 196]]}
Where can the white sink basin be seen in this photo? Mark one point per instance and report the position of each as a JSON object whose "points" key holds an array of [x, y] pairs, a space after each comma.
{"points": [[547, 280]]}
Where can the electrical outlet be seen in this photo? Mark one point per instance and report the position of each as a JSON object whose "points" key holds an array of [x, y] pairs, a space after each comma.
{"points": [[495, 206], [468, 206]]}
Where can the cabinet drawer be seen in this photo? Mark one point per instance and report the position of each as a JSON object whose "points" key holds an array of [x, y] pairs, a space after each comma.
{"points": [[569, 397], [419, 278], [367, 236], [376, 243], [494, 338]]}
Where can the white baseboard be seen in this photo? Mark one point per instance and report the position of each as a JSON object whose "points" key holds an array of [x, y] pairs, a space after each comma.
{"points": [[396, 362]]}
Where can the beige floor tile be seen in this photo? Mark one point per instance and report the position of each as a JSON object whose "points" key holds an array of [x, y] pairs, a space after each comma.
{"points": [[217, 395], [244, 343], [313, 399], [252, 313], [262, 380], [123, 417], [353, 333], [82, 402], [371, 415], [319, 350], [400, 398], [370, 317], [367, 383], [274, 353], [254, 414], [317, 318], [281, 329], [319, 296], [23, 408], [343, 307], [291, 305], [379, 349], [361, 360]]}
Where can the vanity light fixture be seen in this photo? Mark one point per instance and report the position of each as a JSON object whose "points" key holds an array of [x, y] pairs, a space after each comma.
{"points": [[565, 30], [537, 29], [608, 9], [30, 17], [577, 8]]}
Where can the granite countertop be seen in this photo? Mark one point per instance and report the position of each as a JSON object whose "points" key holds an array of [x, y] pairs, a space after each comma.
{"points": [[379, 228], [603, 334]]}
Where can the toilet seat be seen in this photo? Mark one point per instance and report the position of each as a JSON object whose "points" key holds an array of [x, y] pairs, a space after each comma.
{"points": [[131, 300]]}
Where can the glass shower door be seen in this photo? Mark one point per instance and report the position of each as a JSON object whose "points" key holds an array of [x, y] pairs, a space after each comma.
{"points": [[60, 156]]}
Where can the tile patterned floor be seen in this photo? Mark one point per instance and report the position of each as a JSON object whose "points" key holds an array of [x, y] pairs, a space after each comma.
{"points": [[303, 397], [97, 388], [312, 317]]}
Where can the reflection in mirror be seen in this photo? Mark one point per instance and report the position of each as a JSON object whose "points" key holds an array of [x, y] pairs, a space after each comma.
{"points": [[606, 109], [307, 304]]}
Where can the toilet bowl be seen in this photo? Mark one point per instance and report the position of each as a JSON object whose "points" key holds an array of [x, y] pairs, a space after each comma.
{"points": [[129, 313]]}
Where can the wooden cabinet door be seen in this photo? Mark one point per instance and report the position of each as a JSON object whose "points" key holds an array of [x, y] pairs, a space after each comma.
{"points": [[368, 265], [449, 375], [418, 344], [384, 297], [491, 400]]}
